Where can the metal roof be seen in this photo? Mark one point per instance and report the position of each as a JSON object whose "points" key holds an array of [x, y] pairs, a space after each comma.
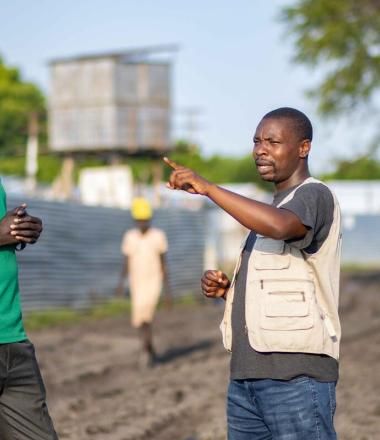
{"points": [[132, 54]]}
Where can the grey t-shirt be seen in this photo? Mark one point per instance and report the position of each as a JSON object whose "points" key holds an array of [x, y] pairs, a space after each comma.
{"points": [[314, 205]]}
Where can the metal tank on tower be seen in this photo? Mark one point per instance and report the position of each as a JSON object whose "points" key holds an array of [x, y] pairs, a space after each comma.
{"points": [[112, 104]]}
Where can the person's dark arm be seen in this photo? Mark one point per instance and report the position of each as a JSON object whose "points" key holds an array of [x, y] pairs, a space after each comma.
{"points": [[260, 217]]}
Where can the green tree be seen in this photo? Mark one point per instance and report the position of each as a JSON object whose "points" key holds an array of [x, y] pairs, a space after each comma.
{"points": [[363, 168], [18, 99], [343, 37]]}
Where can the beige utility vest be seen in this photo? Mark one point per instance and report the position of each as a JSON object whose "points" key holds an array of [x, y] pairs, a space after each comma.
{"points": [[292, 297]]}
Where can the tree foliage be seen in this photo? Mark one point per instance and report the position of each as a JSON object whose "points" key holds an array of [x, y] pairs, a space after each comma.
{"points": [[49, 167], [18, 99], [363, 168], [344, 37]]}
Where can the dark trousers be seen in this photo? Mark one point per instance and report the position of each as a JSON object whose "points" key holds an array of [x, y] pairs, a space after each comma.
{"points": [[23, 410]]}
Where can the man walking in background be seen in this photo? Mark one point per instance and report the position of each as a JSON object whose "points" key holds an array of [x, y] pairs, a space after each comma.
{"points": [[144, 248], [23, 410], [281, 318]]}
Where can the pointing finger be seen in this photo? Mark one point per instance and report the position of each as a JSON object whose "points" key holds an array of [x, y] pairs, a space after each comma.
{"points": [[171, 163]]}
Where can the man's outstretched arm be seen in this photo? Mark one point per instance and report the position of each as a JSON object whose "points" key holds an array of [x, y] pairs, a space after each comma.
{"points": [[254, 215]]}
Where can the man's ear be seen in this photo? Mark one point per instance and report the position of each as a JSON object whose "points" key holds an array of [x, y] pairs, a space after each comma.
{"points": [[304, 148]]}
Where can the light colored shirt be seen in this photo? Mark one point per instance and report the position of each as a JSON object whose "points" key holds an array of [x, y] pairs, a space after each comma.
{"points": [[144, 270]]}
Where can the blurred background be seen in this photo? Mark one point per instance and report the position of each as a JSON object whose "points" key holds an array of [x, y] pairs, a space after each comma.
{"points": [[93, 94]]}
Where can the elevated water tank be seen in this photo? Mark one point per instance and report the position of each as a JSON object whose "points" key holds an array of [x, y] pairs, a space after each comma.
{"points": [[111, 101]]}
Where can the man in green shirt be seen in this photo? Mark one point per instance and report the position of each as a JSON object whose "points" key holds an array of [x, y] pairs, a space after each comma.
{"points": [[23, 410]]}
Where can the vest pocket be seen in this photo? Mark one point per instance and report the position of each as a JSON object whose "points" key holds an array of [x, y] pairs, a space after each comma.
{"points": [[269, 254], [286, 305]]}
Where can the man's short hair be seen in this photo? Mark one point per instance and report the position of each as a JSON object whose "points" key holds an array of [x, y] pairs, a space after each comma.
{"points": [[301, 122]]}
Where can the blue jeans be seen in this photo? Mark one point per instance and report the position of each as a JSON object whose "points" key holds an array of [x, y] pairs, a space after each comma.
{"points": [[265, 409]]}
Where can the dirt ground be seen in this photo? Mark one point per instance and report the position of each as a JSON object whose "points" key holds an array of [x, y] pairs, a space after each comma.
{"points": [[97, 389]]}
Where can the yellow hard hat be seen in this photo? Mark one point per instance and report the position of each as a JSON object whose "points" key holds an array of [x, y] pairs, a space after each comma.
{"points": [[141, 209]]}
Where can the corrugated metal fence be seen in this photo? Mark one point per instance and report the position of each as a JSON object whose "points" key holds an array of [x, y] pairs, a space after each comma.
{"points": [[77, 260], [361, 240]]}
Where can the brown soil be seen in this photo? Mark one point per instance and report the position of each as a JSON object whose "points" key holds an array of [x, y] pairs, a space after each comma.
{"points": [[98, 390]]}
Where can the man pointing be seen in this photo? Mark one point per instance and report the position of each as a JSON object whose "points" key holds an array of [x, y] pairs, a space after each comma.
{"points": [[281, 320]]}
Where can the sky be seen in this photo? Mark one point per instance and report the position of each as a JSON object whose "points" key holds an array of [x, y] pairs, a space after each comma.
{"points": [[234, 62]]}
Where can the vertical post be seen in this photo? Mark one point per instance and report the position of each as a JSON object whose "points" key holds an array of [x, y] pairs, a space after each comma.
{"points": [[157, 179], [31, 160], [64, 184], [68, 167]]}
